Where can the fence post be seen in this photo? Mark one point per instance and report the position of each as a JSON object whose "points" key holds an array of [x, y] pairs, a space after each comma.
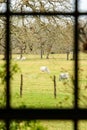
{"points": [[54, 86], [21, 85], [67, 55]]}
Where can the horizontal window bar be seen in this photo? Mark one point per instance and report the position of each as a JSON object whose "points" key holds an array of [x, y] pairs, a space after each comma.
{"points": [[30, 114]]}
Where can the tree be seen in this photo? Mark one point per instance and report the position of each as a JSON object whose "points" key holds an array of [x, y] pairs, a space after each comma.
{"points": [[42, 5], [82, 29], [2, 36], [43, 33]]}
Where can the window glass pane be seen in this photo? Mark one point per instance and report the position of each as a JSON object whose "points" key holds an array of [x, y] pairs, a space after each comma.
{"points": [[2, 6], [42, 5], [82, 61], [82, 124], [42, 125], [2, 125], [43, 51], [82, 5], [2, 63]]}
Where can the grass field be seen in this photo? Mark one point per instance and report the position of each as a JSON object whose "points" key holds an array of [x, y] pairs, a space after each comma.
{"points": [[38, 87]]}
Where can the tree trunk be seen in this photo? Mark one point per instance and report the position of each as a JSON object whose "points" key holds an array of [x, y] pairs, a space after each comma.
{"points": [[21, 53], [48, 51], [47, 57], [41, 52], [5, 55], [73, 58]]}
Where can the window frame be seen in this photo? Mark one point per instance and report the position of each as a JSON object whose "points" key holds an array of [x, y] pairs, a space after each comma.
{"points": [[74, 114]]}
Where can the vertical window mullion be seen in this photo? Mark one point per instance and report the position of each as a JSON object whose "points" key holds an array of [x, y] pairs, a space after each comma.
{"points": [[7, 57], [76, 60], [76, 64], [7, 64]]}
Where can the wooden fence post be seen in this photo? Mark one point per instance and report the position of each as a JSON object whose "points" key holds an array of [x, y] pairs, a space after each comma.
{"points": [[21, 85], [67, 55], [54, 86]]}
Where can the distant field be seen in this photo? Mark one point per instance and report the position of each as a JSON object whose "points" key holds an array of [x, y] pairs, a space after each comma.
{"points": [[38, 87]]}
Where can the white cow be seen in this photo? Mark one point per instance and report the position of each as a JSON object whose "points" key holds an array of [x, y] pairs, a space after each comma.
{"points": [[63, 76], [17, 58], [20, 58], [23, 58], [44, 69]]}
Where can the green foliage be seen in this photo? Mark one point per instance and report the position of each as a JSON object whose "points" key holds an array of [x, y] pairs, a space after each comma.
{"points": [[3, 73], [35, 125], [2, 125], [2, 99], [24, 125], [14, 68], [14, 125]]}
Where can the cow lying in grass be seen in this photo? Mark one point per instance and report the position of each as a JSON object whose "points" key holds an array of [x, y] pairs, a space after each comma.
{"points": [[44, 69], [63, 76], [20, 58]]}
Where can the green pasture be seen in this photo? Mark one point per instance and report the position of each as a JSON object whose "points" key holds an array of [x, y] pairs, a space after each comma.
{"points": [[38, 87]]}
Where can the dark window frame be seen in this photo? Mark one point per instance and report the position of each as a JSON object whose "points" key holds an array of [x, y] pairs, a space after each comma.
{"points": [[75, 114]]}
